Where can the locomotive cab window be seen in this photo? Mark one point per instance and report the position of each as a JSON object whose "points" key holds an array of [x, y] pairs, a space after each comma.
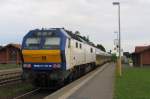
{"points": [[51, 43], [33, 42]]}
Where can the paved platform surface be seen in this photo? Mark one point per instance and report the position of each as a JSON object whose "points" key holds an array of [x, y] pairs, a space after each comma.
{"points": [[97, 84], [99, 87]]}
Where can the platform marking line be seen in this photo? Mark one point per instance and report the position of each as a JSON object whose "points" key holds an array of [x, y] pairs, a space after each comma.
{"points": [[74, 89]]}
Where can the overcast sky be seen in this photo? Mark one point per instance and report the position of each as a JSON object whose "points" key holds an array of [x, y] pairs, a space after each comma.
{"points": [[96, 18]]}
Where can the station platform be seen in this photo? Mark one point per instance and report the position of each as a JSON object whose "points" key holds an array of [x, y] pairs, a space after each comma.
{"points": [[99, 87], [98, 84]]}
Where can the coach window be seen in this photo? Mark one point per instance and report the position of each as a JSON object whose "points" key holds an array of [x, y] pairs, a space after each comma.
{"points": [[69, 43], [91, 50], [80, 46], [76, 44]]}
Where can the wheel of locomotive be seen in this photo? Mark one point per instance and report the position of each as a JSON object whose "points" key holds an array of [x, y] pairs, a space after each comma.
{"points": [[69, 79]]}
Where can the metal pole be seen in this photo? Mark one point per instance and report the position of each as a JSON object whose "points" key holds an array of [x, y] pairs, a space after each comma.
{"points": [[119, 31], [119, 67]]}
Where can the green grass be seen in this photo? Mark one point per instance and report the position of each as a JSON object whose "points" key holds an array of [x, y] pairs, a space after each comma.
{"points": [[134, 84], [8, 92], [9, 66]]}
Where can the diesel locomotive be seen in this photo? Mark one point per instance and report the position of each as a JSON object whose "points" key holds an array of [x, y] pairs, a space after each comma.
{"points": [[53, 56]]}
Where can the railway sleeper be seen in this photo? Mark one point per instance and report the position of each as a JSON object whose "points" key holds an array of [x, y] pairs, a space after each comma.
{"points": [[9, 80]]}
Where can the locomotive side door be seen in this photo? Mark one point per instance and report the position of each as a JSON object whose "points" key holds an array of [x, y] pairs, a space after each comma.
{"points": [[68, 51]]}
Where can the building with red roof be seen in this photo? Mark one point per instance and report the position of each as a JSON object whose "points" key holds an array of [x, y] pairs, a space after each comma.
{"points": [[10, 54], [141, 56]]}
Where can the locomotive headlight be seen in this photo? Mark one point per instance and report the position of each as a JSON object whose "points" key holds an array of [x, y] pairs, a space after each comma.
{"points": [[27, 65], [56, 66]]}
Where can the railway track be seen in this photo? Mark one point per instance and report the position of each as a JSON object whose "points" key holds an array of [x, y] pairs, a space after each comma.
{"points": [[43, 93], [26, 94], [9, 77]]}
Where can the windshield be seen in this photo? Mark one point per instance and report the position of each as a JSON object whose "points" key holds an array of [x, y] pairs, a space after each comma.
{"points": [[42, 40], [51, 42], [33, 43], [47, 43]]}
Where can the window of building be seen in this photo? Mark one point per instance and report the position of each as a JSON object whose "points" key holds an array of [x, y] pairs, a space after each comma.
{"points": [[12, 55]]}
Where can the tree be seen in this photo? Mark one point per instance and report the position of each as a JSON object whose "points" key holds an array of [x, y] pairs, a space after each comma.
{"points": [[0, 46], [101, 47], [77, 33], [86, 38], [127, 54], [114, 57]]}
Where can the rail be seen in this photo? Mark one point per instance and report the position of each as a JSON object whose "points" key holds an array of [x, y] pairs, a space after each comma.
{"points": [[9, 77], [27, 93]]}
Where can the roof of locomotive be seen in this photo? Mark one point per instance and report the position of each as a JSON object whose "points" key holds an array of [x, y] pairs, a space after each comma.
{"points": [[83, 39], [74, 36], [79, 38]]}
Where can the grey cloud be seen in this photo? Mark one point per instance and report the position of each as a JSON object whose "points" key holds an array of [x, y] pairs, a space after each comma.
{"points": [[96, 18]]}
